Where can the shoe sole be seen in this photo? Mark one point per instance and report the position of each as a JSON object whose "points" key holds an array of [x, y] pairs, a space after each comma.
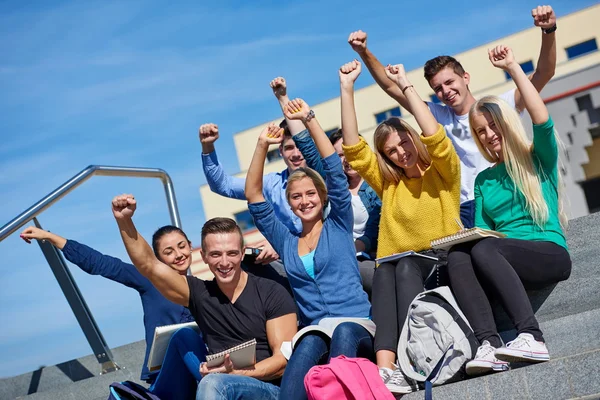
{"points": [[484, 368], [522, 357]]}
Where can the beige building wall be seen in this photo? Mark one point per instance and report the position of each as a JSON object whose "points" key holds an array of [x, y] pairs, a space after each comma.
{"points": [[485, 79]]}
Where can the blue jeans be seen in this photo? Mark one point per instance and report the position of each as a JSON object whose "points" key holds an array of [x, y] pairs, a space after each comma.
{"points": [[349, 339], [235, 387], [180, 372], [467, 213]]}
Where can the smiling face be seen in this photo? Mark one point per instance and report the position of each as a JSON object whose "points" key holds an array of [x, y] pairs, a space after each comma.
{"points": [[350, 173], [175, 251], [292, 157], [487, 132], [451, 88], [305, 200], [400, 149], [223, 252]]}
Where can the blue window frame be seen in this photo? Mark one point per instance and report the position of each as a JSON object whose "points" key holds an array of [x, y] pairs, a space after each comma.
{"points": [[527, 68], [434, 99], [392, 112], [582, 48], [273, 155], [245, 221]]}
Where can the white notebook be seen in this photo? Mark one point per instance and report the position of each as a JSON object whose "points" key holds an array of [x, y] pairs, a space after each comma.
{"points": [[397, 256], [242, 355], [462, 236], [162, 336]]}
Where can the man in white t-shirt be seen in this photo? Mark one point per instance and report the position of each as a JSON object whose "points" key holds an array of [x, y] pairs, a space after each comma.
{"points": [[450, 84]]}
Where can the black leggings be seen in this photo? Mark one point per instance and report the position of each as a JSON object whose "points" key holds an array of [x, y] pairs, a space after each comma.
{"points": [[506, 267], [395, 286]]}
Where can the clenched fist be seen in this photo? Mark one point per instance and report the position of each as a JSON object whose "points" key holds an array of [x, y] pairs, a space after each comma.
{"points": [[208, 133], [349, 72], [544, 17], [501, 57], [279, 87], [296, 109], [271, 134], [358, 41], [123, 206], [397, 74]]}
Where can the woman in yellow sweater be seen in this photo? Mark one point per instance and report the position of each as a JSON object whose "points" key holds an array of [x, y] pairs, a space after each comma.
{"points": [[418, 180]]}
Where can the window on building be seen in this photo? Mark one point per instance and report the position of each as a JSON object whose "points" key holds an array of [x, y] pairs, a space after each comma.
{"points": [[330, 132], [527, 68], [392, 112], [434, 99], [582, 48], [585, 103], [245, 221], [273, 155]]}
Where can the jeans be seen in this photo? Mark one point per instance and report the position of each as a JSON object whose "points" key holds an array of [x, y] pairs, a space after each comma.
{"points": [[504, 268], [467, 214], [180, 371], [348, 339], [235, 387]]}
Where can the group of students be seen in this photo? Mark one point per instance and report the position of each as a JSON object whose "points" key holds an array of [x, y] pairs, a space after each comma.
{"points": [[337, 197]]}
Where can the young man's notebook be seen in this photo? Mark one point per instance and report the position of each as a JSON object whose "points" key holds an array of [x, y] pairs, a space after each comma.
{"points": [[325, 326], [242, 355], [162, 336], [465, 235], [398, 256]]}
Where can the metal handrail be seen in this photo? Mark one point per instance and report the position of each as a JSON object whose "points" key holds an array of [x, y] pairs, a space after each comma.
{"points": [[83, 176]]}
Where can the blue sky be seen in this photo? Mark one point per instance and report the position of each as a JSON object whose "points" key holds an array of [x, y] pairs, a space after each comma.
{"points": [[129, 82]]}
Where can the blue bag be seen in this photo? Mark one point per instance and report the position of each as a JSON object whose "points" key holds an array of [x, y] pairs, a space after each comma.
{"points": [[129, 390]]}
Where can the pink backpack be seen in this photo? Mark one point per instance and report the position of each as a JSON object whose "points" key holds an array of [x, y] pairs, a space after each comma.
{"points": [[346, 378]]}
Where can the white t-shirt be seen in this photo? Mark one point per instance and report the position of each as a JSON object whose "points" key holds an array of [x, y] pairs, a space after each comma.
{"points": [[361, 215], [458, 130]]}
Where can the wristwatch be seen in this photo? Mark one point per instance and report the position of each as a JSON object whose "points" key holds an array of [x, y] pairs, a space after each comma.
{"points": [[549, 30], [309, 116]]}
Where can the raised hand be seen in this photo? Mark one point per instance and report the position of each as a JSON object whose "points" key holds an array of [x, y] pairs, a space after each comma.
{"points": [[544, 17], [296, 109], [358, 41], [271, 134], [397, 74], [33, 232], [501, 57], [349, 72], [279, 87], [208, 133], [123, 206]]}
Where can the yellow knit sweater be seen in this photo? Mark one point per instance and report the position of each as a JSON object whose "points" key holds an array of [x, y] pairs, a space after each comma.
{"points": [[415, 210]]}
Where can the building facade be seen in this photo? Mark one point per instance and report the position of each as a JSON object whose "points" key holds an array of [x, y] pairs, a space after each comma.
{"points": [[573, 98]]}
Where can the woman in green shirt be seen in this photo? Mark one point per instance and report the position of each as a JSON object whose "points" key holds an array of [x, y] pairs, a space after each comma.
{"points": [[520, 197]]}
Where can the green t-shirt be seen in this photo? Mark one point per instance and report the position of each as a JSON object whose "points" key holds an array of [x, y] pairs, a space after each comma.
{"points": [[499, 207]]}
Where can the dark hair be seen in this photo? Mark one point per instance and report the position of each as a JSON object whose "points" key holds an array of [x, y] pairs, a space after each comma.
{"points": [[337, 135], [435, 65], [220, 225], [286, 130], [162, 231]]}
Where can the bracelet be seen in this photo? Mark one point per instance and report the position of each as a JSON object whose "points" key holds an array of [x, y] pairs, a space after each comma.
{"points": [[406, 87], [549, 30], [309, 116]]}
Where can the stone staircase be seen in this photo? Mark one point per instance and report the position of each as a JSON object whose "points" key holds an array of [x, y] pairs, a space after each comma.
{"points": [[569, 316]]}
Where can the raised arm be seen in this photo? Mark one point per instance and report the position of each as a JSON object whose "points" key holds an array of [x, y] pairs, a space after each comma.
{"points": [[502, 57], [271, 134], [543, 17], [348, 74], [169, 283], [279, 87], [419, 108], [358, 41], [298, 110], [216, 178]]}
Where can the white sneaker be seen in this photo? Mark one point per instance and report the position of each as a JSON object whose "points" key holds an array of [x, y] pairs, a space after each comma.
{"points": [[385, 374], [397, 383], [485, 361], [524, 348]]}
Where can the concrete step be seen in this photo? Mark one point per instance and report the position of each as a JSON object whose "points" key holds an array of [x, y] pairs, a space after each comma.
{"points": [[571, 377]]}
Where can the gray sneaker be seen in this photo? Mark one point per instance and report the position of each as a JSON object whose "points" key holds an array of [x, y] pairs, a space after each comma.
{"points": [[385, 374], [397, 383]]}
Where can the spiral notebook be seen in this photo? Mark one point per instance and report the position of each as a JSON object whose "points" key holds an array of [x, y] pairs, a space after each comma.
{"points": [[162, 337], [462, 236], [242, 355]]}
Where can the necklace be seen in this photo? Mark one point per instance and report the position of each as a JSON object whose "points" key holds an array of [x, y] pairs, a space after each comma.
{"points": [[311, 248]]}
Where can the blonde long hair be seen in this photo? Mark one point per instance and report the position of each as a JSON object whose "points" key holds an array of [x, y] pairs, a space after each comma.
{"points": [[517, 151], [390, 171]]}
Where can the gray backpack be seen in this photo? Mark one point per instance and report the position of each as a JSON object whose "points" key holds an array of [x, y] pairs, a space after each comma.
{"points": [[436, 340]]}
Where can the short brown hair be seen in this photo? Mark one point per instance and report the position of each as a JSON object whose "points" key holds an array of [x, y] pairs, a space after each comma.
{"points": [[220, 225], [286, 130], [435, 65]]}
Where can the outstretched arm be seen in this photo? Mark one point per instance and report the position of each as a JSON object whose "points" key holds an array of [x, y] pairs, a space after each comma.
{"points": [[544, 17], [33, 232], [502, 57], [348, 74], [271, 134], [298, 110], [358, 41], [169, 283], [420, 111]]}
